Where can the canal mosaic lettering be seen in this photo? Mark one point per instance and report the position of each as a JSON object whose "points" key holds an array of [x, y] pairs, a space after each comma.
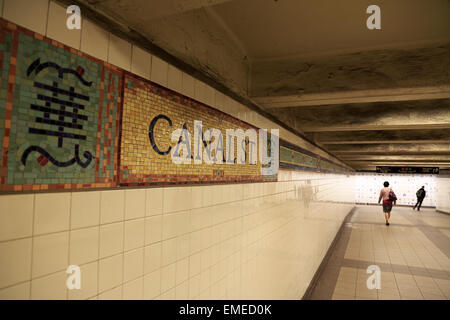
{"points": [[169, 138], [209, 146], [71, 121]]}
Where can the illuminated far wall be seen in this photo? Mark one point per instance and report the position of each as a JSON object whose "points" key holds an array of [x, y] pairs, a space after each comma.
{"points": [[443, 193], [405, 186]]}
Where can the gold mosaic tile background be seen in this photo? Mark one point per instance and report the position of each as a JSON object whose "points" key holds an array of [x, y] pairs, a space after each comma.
{"points": [[143, 101]]}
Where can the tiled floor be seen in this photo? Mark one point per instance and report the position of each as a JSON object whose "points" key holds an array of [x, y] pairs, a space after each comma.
{"points": [[412, 254]]}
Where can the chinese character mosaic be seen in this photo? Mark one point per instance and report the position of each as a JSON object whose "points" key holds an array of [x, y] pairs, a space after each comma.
{"points": [[59, 115]]}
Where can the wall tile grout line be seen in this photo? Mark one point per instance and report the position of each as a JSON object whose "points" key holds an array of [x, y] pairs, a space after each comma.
{"points": [[32, 246], [70, 237], [47, 18], [143, 247], [123, 244], [162, 248], [98, 244], [81, 33]]}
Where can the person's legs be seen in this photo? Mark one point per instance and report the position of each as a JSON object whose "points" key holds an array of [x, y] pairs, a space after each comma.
{"points": [[416, 203], [387, 207], [420, 204]]}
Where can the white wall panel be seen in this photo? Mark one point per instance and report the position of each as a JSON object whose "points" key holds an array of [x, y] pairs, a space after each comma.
{"points": [[405, 186], [443, 193]]}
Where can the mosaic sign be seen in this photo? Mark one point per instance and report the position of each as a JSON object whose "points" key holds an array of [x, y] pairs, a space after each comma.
{"points": [[391, 169], [157, 123], [59, 112], [296, 158], [65, 125]]}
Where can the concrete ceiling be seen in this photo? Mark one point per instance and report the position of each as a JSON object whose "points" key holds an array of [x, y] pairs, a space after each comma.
{"points": [[369, 97], [280, 29]]}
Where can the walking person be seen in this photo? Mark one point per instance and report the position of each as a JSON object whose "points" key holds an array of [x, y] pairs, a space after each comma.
{"points": [[389, 198], [420, 194]]}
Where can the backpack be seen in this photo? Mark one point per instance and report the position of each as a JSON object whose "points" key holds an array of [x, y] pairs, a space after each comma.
{"points": [[392, 196], [419, 193]]}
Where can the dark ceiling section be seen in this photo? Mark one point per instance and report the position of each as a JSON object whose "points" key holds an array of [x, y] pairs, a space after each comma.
{"points": [[362, 70]]}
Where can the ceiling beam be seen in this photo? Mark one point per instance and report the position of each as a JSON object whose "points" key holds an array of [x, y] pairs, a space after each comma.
{"points": [[436, 148], [358, 164], [154, 10], [357, 96], [326, 142], [407, 115], [373, 168], [398, 126], [424, 158], [381, 136]]}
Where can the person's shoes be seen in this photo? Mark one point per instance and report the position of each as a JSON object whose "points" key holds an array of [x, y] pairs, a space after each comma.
{"points": [[387, 223]]}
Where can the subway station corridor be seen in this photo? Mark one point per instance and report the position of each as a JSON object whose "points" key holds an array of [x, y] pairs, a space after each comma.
{"points": [[224, 149], [412, 253]]}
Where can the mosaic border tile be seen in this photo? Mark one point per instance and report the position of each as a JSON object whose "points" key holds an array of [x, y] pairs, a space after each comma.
{"points": [[293, 157]]}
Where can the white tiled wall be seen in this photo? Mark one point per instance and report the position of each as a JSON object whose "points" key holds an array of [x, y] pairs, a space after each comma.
{"points": [[443, 193], [405, 186], [159, 71], [29, 14], [119, 53], [234, 241], [56, 27], [94, 40]]}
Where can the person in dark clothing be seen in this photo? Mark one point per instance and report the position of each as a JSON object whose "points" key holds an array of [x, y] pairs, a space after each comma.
{"points": [[420, 196]]}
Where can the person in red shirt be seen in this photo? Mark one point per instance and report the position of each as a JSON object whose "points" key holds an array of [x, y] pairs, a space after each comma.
{"points": [[387, 203]]}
